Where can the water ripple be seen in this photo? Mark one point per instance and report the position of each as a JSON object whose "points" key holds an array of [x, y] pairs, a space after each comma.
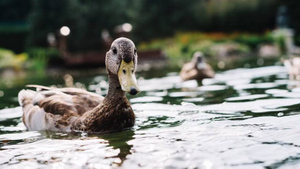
{"points": [[243, 118]]}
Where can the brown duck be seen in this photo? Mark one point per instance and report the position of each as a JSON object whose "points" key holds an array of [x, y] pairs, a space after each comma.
{"points": [[71, 109], [293, 67], [196, 69]]}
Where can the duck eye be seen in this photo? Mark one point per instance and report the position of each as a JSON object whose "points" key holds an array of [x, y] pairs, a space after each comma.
{"points": [[134, 51], [114, 50], [132, 71], [124, 71]]}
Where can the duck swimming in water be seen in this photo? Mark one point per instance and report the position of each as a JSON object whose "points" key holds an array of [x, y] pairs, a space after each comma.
{"points": [[293, 67], [72, 109], [196, 69]]}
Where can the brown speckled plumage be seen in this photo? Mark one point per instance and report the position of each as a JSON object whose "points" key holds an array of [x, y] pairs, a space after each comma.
{"points": [[293, 67], [69, 109], [197, 69], [117, 112]]}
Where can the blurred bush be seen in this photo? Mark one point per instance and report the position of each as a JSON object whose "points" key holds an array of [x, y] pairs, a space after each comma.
{"points": [[86, 20], [48, 52], [216, 46], [35, 59], [8, 59], [151, 19], [39, 58], [254, 40], [279, 37], [164, 18]]}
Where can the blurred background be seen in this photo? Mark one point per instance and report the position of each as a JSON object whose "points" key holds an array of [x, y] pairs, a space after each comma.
{"points": [[205, 123], [40, 35]]}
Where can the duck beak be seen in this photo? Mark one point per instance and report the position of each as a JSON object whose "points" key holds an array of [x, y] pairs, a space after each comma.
{"points": [[127, 78]]}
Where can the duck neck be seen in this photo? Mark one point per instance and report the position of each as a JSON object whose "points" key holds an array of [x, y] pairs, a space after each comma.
{"points": [[114, 90], [114, 113]]}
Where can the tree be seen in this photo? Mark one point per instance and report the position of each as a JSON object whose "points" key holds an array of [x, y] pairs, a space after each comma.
{"points": [[163, 18], [86, 20]]}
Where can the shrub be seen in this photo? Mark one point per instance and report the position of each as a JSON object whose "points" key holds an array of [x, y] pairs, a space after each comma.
{"points": [[39, 58], [8, 59], [181, 47]]}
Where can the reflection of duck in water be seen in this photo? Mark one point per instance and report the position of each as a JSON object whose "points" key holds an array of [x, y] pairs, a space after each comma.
{"points": [[69, 109], [120, 141], [196, 69], [293, 67], [116, 141]]}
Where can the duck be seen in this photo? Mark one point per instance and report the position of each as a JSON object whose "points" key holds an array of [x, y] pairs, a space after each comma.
{"points": [[196, 69], [73, 109], [293, 67]]}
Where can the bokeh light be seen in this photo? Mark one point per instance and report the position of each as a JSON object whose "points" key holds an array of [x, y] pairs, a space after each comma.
{"points": [[65, 31], [127, 27]]}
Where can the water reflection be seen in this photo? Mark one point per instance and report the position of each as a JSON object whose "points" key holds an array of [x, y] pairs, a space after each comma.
{"points": [[66, 149], [119, 141], [243, 118]]}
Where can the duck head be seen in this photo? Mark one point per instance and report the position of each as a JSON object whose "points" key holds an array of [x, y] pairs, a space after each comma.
{"points": [[199, 60], [121, 60]]}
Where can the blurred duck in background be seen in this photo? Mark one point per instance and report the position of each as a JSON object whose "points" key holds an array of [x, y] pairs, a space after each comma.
{"points": [[293, 67], [196, 69]]}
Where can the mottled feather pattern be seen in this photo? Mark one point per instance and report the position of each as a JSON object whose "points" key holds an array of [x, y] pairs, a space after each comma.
{"points": [[69, 109], [54, 108], [116, 116], [293, 67]]}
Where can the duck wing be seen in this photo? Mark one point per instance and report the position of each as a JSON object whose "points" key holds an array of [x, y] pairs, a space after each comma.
{"points": [[188, 71], [208, 72], [55, 108]]}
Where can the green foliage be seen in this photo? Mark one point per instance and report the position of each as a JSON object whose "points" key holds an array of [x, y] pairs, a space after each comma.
{"points": [[48, 52], [163, 18], [86, 20], [9, 59], [48, 17], [254, 40], [236, 15], [39, 58], [150, 18], [279, 39], [181, 47], [36, 59]]}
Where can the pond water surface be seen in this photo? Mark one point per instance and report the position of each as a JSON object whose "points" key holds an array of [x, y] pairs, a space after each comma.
{"points": [[243, 118]]}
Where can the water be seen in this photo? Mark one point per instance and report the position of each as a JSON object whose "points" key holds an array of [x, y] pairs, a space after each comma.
{"points": [[243, 118]]}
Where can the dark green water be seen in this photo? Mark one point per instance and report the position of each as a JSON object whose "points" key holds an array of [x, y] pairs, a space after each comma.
{"points": [[243, 118]]}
